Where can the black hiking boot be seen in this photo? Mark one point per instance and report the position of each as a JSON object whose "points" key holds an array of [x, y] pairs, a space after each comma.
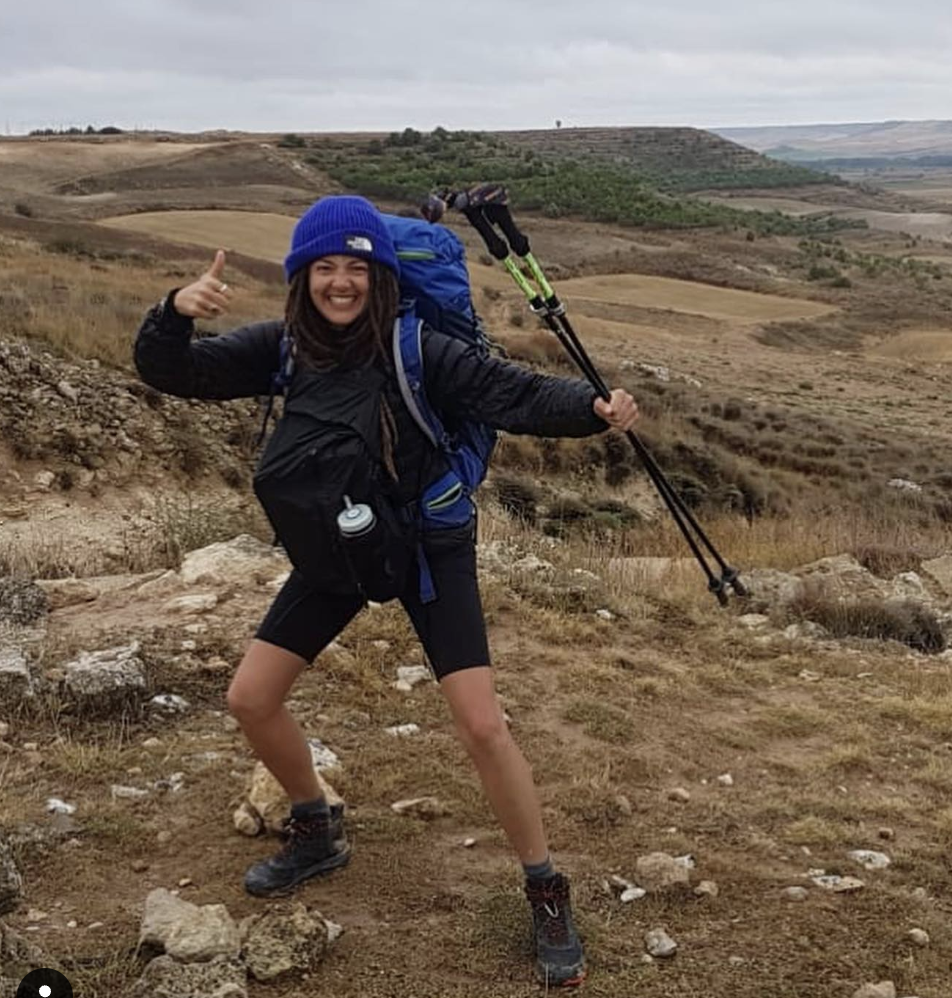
{"points": [[311, 846], [560, 959]]}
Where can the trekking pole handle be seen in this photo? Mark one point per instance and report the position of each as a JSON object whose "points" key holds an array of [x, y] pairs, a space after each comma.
{"points": [[494, 242], [433, 207], [500, 215]]}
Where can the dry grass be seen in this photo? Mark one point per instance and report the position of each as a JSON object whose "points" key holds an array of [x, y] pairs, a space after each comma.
{"points": [[89, 307], [255, 233], [786, 542], [152, 535], [907, 622]]}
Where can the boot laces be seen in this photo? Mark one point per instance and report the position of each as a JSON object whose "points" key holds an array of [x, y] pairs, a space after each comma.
{"points": [[295, 831], [554, 925]]}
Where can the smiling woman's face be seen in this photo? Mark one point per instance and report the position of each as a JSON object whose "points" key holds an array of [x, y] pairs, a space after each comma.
{"points": [[339, 286]]}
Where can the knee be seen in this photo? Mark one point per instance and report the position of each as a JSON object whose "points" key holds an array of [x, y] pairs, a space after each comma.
{"points": [[484, 732], [247, 705]]}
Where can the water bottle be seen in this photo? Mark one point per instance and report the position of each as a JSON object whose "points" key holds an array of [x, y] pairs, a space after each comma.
{"points": [[355, 520], [366, 550]]}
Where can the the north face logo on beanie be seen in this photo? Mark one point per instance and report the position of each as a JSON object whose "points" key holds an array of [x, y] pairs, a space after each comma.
{"points": [[360, 244]]}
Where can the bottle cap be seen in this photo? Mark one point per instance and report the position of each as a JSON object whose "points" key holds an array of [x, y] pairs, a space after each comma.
{"points": [[355, 519]]}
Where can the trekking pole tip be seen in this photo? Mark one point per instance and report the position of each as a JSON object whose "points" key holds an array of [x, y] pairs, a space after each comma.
{"points": [[716, 586], [731, 578]]}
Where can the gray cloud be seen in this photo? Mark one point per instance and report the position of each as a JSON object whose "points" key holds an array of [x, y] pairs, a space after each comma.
{"points": [[191, 64]]}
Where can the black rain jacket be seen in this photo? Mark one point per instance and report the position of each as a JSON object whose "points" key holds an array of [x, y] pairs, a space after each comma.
{"points": [[460, 385]]}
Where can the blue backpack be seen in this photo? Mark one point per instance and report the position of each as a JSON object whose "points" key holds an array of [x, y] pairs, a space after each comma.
{"points": [[434, 285]]}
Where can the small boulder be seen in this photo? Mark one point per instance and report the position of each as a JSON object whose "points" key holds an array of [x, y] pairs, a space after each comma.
{"points": [[409, 676], [919, 937], [659, 944], [17, 681], [22, 602], [421, 807], [843, 577], [869, 859], [199, 603], [68, 592], [187, 931], [285, 939], [838, 884], [885, 989], [658, 871], [769, 589], [102, 680], [753, 621], [165, 977], [267, 806], [243, 557]]}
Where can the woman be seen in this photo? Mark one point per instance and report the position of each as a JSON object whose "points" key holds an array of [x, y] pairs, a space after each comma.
{"points": [[342, 302]]}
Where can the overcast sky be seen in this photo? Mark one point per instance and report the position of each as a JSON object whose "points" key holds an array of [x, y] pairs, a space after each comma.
{"points": [[377, 65]]}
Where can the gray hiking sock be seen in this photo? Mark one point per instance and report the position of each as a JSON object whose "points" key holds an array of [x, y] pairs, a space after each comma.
{"points": [[539, 871], [311, 808]]}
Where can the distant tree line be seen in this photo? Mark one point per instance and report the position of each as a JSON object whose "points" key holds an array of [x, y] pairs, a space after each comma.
{"points": [[88, 130]]}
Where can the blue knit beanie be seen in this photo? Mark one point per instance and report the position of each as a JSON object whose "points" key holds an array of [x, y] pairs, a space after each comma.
{"points": [[351, 226]]}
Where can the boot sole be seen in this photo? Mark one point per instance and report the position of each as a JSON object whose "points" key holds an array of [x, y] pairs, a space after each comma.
{"points": [[328, 865], [569, 982]]}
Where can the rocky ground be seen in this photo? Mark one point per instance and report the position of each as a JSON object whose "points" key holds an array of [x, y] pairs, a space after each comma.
{"points": [[129, 793]]}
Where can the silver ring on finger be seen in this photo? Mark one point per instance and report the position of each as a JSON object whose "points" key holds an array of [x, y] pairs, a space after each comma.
{"points": [[223, 289]]}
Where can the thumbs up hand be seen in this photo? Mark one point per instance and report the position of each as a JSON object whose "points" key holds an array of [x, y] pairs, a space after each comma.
{"points": [[209, 296]]}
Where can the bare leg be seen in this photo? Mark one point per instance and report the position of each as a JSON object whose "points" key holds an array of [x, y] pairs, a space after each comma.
{"points": [[505, 775], [256, 699]]}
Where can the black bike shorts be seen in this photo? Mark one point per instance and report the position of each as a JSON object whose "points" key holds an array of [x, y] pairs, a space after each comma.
{"points": [[452, 630]]}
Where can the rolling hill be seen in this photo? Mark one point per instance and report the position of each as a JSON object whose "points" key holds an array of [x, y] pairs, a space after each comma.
{"points": [[851, 140]]}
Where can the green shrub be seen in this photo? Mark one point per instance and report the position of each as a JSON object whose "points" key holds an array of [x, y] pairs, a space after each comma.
{"points": [[619, 190]]}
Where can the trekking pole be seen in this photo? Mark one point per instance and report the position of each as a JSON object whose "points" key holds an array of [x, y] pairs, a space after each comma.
{"points": [[485, 207]]}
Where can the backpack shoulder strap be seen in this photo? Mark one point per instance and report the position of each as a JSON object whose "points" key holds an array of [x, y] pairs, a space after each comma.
{"points": [[280, 379], [408, 363]]}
